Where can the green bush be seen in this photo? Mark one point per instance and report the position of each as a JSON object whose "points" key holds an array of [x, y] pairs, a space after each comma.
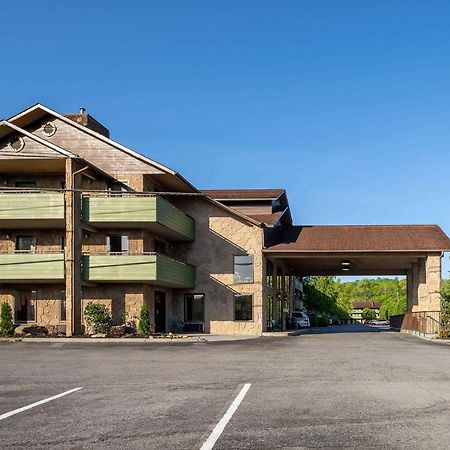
{"points": [[98, 317], [144, 320], [443, 333], [368, 314], [6, 319]]}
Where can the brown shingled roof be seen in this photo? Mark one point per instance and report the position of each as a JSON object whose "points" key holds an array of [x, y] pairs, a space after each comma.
{"points": [[362, 305], [267, 219], [359, 238], [243, 194]]}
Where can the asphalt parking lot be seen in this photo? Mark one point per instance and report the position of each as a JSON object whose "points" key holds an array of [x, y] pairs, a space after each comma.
{"points": [[344, 387]]}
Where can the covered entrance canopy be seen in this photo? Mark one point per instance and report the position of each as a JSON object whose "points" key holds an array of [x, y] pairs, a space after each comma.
{"points": [[411, 250]]}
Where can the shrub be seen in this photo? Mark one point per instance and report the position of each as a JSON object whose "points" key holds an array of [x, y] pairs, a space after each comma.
{"points": [[6, 319], [368, 314], [144, 320], [443, 333], [98, 317]]}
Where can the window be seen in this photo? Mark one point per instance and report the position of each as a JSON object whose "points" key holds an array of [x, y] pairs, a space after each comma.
{"points": [[243, 307], [243, 269], [49, 129], [118, 186], [117, 243], [194, 307], [62, 242], [17, 144], [25, 243], [160, 247], [25, 306], [26, 184], [269, 273], [280, 279]]}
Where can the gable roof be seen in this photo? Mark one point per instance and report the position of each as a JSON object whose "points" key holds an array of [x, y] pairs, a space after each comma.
{"points": [[56, 148], [38, 111], [359, 238], [268, 219], [63, 152], [243, 194]]}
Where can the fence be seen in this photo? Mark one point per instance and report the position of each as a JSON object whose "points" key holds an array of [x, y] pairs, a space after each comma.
{"points": [[421, 322]]}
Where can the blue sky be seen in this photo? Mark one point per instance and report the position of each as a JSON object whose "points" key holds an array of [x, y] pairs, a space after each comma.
{"points": [[346, 104]]}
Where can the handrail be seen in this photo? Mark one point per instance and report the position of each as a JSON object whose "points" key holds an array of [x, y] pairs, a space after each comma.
{"points": [[30, 252], [31, 191]]}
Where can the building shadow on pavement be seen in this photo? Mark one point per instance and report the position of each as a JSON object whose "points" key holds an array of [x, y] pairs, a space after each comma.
{"points": [[355, 328]]}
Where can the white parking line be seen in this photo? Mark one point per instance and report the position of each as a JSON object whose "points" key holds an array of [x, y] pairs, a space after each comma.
{"points": [[218, 429], [40, 402]]}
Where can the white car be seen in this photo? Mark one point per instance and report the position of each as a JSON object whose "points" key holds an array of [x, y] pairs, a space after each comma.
{"points": [[301, 319]]}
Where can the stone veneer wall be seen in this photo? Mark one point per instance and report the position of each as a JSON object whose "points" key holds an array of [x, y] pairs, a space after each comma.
{"points": [[49, 301], [46, 240], [219, 236], [127, 298]]}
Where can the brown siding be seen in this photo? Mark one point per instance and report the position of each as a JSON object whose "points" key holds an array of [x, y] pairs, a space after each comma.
{"points": [[101, 154]]}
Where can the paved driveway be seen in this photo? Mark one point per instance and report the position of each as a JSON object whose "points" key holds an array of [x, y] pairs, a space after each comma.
{"points": [[346, 387]]}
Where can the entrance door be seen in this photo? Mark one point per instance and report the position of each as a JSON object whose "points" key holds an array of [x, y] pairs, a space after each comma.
{"points": [[25, 306], [160, 312]]}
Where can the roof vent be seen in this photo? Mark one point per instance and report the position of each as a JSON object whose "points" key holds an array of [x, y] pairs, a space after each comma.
{"points": [[82, 110]]}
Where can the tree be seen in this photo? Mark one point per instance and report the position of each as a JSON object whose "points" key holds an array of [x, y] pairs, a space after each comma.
{"points": [[6, 319], [368, 314], [445, 304], [144, 320]]}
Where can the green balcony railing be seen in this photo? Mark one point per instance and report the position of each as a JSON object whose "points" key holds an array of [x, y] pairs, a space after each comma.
{"points": [[149, 268], [138, 211], [31, 267], [20, 209]]}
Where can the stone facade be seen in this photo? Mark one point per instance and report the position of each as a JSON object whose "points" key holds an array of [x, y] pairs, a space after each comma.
{"points": [[220, 235], [424, 284]]}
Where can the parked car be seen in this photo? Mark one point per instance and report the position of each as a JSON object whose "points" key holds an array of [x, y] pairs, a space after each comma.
{"points": [[378, 322], [300, 319]]}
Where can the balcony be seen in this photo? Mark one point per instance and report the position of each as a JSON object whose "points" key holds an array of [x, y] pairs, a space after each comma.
{"points": [[138, 211], [31, 209], [149, 268], [31, 267]]}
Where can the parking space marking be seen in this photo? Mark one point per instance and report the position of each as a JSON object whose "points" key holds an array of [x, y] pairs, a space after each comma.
{"points": [[40, 402], [218, 429]]}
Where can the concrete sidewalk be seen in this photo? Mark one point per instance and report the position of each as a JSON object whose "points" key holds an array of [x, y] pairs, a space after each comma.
{"points": [[189, 339]]}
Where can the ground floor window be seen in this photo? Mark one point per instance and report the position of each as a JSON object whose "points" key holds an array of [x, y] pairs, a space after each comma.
{"points": [[194, 307], [25, 306], [243, 307]]}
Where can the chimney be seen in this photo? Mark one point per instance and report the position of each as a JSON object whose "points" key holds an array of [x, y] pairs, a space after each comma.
{"points": [[84, 119]]}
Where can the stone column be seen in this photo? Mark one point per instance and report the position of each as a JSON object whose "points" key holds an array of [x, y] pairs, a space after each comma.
{"points": [[433, 275], [410, 289], [427, 283]]}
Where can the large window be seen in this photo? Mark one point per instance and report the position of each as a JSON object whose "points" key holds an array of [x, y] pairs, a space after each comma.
{"points": [[194, 307], [243, 307], [25, 243], [117, 243], [243, 269]]}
